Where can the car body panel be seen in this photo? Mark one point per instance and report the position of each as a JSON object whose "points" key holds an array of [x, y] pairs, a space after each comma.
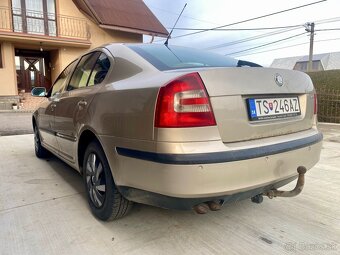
{"points": [[70, 115], [120, 113], [45, 119], [214, 179], [254, 81], [131, 116], [229, 89]]}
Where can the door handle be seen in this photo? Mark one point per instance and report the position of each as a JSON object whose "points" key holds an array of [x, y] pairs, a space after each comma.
{"points": [[82, 103], [53, 106]]}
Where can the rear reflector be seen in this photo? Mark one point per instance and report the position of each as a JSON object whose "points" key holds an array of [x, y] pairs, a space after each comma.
{"points": [[184, 102]]}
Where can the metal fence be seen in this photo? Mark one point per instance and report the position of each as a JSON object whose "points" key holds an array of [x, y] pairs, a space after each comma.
{"points": [[328, 104], [41, 23]]}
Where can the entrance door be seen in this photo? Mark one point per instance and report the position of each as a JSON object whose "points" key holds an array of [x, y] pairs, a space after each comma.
{"points": [[32, 70]]}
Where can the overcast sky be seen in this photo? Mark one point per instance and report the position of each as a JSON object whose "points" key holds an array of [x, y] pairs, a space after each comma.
{"points": [[212, 13]]}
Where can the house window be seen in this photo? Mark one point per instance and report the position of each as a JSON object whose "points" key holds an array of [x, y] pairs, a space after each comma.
{"points": [[303, 66], [34, 17]]}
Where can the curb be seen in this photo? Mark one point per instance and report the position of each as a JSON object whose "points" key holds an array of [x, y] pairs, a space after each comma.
{"points": [[329, 124], [17, 111]]}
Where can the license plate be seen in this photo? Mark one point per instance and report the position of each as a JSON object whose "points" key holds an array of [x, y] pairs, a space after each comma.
{"points": [[273, 108]]}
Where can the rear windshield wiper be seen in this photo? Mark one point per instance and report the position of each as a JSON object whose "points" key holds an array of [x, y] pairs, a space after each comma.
{"points": [[241, 63]]}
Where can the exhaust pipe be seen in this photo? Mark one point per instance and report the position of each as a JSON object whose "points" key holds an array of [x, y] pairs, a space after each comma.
{"points": [[296, 191], [214, 205], [203, 208]]}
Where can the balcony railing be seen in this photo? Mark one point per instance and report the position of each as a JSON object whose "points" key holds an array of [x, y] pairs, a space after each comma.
{"points": [[46, 24]]}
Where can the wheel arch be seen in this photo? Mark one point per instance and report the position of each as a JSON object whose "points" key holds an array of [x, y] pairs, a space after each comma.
{"points": [[86, 137]]}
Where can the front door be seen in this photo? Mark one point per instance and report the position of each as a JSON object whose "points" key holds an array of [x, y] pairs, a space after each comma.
{"points": [[33, 69], [46, 124]]}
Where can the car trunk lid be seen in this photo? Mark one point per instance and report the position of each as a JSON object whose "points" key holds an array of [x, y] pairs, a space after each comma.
{"points": [[230, 89]]}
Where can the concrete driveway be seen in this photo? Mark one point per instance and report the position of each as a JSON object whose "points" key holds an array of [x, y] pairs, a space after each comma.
{"points": [[43, 211], [15, 123]]}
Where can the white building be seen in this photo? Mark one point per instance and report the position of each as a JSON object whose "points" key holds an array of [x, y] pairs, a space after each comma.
{"points": [[321, 62]]}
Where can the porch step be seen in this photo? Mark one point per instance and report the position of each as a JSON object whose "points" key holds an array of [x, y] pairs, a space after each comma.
{"points": [[6, 102], [30, 103]]}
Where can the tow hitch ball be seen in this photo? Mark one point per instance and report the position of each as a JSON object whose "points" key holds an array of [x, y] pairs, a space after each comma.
{"points": [[279, 193]]}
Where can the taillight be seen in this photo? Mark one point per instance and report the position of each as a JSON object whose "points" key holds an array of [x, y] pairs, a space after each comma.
{"points": [[315, 103], [184, 102]]}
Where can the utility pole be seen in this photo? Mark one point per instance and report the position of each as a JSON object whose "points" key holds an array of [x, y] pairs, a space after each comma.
{"points": [[310, 27]]}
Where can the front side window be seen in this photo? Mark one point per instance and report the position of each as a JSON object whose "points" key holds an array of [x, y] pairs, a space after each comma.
{"points": [[82, 73], [60, 83]]}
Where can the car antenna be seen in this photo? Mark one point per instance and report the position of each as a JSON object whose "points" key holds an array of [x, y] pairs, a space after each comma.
{"points": [[169, 35]]}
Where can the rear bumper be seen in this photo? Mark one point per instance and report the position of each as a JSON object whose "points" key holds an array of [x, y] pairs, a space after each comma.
{"points": [[155, 199], [215, 170], [221, 157]]}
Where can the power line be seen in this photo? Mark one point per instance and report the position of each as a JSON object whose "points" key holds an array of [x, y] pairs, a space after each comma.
{"points": [[328, 40], [251, 19], [184, 16], [324, 21], [236, 29], [259, 52], [252, 38], [262, 36], [272, 33], [290, 46], [266, 44], [327, 29]]}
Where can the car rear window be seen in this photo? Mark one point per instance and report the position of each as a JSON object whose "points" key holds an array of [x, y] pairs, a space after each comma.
{"points": [[175, 57]]}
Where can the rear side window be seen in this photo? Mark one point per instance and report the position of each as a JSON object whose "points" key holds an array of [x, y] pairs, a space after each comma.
{"points": [[100, 70], [83, 71], [175, 57]]}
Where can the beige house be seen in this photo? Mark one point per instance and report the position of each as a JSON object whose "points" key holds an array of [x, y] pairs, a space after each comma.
{"points": [[38, 38]]}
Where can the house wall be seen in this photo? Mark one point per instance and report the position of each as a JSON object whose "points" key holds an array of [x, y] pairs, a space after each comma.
{"points": [[98, 37], [60, 56], [334, 61], [5, 3], [8, 80]]}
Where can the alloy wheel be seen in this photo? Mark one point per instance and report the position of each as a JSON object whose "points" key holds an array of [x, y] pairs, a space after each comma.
{"points": [[95, 180]]}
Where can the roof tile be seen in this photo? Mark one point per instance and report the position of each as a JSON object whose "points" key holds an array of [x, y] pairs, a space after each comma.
{"points": [[129, 14]]}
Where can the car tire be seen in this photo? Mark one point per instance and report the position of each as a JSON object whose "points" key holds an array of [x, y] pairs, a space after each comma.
{"points": [[40, 151], [105, 200]]}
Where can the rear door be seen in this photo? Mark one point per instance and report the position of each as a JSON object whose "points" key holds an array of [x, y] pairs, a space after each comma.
{"points": [[73, 103]]}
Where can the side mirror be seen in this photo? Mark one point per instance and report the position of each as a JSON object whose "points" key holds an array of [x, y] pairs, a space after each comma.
{"points": [[38, 92]]}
